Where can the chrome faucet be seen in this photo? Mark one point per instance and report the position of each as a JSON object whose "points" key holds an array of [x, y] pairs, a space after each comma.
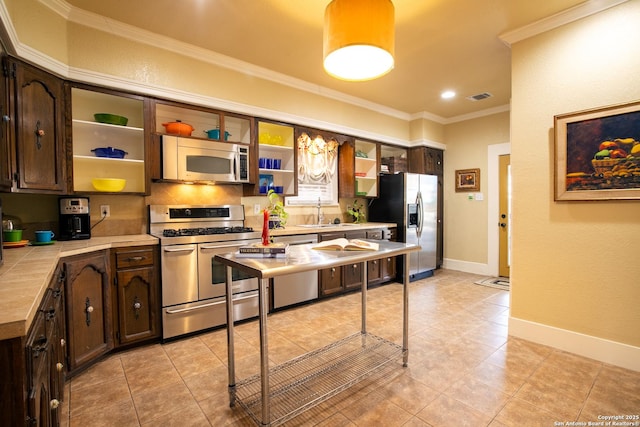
{"points": [[319, 212]]}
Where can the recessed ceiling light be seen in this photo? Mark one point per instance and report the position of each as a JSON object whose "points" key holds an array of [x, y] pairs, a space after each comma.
{"points": [[447, 94]]}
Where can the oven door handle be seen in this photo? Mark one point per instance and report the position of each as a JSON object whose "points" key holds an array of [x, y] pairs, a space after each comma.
{"points": [[253, 295], [187, 249], [185, 310]]}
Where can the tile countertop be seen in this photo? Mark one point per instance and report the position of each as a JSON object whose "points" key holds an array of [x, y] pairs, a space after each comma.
{"points": [[27, 271]]}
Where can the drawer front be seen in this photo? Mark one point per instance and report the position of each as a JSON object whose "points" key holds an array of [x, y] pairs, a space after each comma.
{"points": [[134, 258], [374, 234]]}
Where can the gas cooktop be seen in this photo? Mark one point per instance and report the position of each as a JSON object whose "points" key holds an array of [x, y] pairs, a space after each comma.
{"points": [[188, 224], [200, 231]]}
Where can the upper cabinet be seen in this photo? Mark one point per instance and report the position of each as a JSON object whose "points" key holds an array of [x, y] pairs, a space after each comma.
{"points": [[196, 123], [393, 159], [202, 122], [426, 160], [32, 145], [276, 160], [359, 167], [366, 172], [110, 145]]}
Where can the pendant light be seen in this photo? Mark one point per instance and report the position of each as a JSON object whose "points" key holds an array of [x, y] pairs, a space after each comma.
{"points": [[359, 39]]}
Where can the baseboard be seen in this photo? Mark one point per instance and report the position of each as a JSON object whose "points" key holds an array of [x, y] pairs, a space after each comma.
{"points": [[466, 266], [603, 350]]}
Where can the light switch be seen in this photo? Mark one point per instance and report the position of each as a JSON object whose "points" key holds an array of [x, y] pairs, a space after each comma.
{"points": [[479, 196]]}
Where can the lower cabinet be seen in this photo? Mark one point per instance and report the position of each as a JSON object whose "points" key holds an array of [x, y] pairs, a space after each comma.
{"points": [[136, 294], [333, 281], [88, 308]]}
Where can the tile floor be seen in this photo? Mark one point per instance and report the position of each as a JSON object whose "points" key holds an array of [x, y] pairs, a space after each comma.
{"points": [[463, 369]]}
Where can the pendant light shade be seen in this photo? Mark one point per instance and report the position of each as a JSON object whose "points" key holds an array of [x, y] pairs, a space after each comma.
{"points": [[359, 39]]}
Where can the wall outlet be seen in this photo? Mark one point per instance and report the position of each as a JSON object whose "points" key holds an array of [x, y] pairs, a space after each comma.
{"points": [[105, 211], [256, 208]]}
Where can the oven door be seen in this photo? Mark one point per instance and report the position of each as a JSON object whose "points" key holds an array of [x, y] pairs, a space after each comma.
{"points": [[212, 274], [179, 278]]}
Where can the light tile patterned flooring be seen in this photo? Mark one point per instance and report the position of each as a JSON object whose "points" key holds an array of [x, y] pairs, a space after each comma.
{"points": [[463, 369]]}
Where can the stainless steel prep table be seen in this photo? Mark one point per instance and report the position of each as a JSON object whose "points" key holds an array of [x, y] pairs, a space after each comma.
{"points": [[305, 381]]}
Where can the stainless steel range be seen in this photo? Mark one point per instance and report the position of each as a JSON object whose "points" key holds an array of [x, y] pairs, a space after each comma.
{"points": [[193, 283]]}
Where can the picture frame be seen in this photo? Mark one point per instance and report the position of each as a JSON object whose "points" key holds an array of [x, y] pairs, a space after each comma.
{"points": [[467, 180], [595, 158]]}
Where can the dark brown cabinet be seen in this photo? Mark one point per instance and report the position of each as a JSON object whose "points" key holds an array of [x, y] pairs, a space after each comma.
{"points": [[88, 308], [33, 130], [32, 367], [333, 281], [136, 294]]}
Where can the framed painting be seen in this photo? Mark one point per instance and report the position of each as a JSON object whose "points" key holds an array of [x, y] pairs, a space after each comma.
{"points": [[467, 180], [597, 154]]}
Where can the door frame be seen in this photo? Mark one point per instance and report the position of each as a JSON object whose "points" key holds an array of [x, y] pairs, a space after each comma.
{"points": [[493, 204]]}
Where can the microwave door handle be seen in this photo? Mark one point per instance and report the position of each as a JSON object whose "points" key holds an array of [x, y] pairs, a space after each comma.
{"points": [[235, 167]]}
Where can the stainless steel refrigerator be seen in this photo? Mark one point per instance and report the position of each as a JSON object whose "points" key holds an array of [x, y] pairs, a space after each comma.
{"points": [[410, 200]]}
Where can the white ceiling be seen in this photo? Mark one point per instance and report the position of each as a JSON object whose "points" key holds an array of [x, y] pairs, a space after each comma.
{"points": [[440, 44]]}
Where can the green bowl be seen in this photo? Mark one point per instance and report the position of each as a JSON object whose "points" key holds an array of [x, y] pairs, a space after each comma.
{"points": [[110, 119]]}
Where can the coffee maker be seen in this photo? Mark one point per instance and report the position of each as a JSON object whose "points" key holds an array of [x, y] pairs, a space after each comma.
{"points": [[75, 223]]}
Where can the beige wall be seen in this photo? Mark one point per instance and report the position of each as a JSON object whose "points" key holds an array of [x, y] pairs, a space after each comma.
{"points": [[575, 264], [465, 230]]}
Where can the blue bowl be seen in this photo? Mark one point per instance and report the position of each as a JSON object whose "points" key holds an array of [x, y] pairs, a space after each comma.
{"points": [[110, 152]]}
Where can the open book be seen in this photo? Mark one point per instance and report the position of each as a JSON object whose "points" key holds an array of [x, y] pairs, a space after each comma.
{"points": [[343, 244]]}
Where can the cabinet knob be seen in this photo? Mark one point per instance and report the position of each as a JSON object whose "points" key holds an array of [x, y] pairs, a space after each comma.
{"points": [[54, 403], [59, 367], [62, 342], [88, 309], [137, 306], [6, 118]]}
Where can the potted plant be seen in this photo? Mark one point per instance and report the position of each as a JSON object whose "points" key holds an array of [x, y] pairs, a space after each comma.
{"points": [[277, 214], [357, 212]]}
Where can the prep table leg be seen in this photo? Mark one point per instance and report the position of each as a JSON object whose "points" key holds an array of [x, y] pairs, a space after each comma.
{"points": [[405, 313], [364, 297], [230, 350], [264, 351]]}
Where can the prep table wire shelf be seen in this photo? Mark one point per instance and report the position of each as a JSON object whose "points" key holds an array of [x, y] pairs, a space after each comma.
{"points": [[314, 377], [278, 394]]}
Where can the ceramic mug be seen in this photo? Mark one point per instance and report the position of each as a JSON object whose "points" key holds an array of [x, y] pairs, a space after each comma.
{"points": [[12, 235], [44, 236], [277, 163]]}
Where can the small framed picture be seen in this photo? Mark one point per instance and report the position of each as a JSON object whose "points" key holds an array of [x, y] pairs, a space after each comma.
{"points": [[467, 180]]}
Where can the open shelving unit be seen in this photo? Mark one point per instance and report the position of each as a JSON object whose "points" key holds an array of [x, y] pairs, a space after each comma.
{"points": [[366, 172], [276, 141], [89, 134]]}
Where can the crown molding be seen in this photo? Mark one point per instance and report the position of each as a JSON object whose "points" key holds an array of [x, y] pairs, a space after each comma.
{"points": [[119, 29], [559, 19]]}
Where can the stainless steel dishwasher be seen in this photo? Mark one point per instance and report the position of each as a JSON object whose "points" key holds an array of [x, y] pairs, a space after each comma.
{"points": [[297, 287]]}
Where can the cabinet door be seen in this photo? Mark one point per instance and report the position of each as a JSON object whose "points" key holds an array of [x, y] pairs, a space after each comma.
{"points": [[38, 353], [330, 281], [387, 268], [54, 315], [37, 104], [352, 276], [137, 299], [88, 308], [374, 271], [7, 154]]}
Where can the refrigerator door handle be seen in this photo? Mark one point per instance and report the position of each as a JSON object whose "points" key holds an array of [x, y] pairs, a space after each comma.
{"points": [[420, 213]]}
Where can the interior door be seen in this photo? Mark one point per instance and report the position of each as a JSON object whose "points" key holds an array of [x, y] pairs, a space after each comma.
{"points": [[504, 245]]}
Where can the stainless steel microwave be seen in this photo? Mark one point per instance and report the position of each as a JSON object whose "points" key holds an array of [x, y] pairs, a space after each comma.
{"points": [[193, 160]]}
